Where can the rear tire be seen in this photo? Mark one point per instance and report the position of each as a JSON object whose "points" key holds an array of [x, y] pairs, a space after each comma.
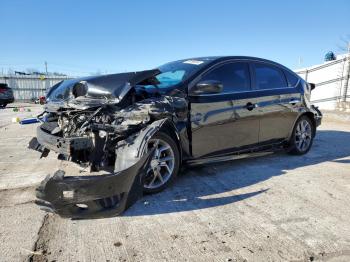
{"points": [[3, 105], [165, 164], [302, 136]]}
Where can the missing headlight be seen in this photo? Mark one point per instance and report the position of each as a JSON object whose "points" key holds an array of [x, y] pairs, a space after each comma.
{"points": [[80, 89]]}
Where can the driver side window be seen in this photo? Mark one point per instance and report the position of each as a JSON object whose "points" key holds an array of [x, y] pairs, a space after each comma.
{"points": [[235, 77]]}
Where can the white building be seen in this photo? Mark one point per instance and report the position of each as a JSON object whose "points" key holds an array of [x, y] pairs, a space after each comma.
{"points": [[332, 83]]}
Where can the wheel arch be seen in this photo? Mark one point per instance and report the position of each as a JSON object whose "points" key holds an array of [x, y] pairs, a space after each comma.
{"points": [[170, 129], [309, 115]]}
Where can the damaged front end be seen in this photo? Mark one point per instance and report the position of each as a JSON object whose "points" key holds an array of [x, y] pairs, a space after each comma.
{"points": [[101, 195], [110, 138]]}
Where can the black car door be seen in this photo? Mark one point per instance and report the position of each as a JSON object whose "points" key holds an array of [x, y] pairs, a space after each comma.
{"points": [[277, 103], [227, 120]]}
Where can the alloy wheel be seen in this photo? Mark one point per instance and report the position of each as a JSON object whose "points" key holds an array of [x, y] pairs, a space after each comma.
{"points": [[303, 135], [162, 164]]}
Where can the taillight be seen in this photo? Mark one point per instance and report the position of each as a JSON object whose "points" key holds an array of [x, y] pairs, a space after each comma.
{"points": [[2, 90]]}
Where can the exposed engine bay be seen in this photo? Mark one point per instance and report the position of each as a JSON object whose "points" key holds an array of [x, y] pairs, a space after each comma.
{"points": [[107, 132], [104, 127]]}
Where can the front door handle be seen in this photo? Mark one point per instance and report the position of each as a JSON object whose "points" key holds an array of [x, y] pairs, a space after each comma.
{"points": [[250, 106]]}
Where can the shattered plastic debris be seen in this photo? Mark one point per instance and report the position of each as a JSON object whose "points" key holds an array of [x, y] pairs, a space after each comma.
{"points": [[31, 120], [15, 119]]}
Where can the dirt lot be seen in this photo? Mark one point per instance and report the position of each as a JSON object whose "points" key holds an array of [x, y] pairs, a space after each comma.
{"points": [[272, 208]]}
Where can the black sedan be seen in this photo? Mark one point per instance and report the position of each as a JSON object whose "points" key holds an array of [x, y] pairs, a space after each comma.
{"points": [[139, 128]]}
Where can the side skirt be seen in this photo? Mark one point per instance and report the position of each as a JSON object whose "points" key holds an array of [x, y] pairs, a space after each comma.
{"points": [[256, 151]]}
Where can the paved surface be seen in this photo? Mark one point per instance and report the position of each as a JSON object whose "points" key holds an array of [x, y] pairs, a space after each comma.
{"points": [[272, 208]]}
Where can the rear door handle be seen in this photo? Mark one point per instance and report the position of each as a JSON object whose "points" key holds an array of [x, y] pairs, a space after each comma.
{"points": [[250, 106], [294, 101]]}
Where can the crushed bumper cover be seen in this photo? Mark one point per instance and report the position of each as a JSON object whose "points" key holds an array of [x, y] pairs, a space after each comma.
{"points": [[81, 197]]}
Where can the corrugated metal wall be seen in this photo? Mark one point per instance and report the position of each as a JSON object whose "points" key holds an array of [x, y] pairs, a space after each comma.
{"points": [[331, 82], [29, 87]]}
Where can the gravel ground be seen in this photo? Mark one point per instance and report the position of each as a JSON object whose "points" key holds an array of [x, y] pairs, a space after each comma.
{"points": [[272, 208]]}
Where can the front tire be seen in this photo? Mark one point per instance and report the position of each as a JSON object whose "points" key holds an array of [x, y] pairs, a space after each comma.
{"points": [[302, 137], [165, 164]]}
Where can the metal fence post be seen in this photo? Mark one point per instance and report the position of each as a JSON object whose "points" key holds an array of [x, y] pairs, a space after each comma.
{"points": [[346, 82], [306, 74], [341, 81]]}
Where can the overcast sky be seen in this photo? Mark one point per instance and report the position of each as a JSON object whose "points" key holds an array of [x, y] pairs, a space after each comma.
{"points": [[83, 37]]}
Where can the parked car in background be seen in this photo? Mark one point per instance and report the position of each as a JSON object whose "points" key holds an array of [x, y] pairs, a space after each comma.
{"points": [[6, 95], [189, 111]]}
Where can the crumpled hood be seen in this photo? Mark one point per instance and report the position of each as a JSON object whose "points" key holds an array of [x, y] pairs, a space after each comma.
{"points": [[94, 90]]}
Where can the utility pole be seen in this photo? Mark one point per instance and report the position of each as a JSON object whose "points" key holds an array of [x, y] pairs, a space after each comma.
{"points": [[46, 67], [300, 61]]}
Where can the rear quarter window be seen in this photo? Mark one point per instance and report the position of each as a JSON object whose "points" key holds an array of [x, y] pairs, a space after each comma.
{"points": [[291, 78]]}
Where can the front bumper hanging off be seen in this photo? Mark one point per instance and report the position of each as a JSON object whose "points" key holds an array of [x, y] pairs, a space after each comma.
{"points": [[92, 196]]}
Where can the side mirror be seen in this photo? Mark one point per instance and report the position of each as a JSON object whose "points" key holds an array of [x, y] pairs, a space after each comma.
{"points": [[207, 87]]}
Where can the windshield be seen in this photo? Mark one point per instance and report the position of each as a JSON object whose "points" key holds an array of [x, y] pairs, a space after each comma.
{"points": [[176, 72]]}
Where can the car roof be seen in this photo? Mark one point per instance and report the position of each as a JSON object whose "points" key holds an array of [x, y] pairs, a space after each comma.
{"points": [[218, 59], [227, 58]]}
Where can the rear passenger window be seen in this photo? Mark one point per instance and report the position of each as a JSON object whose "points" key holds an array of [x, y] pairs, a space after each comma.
{"points": [[292, 79], [234, 77], [268, 77]]}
